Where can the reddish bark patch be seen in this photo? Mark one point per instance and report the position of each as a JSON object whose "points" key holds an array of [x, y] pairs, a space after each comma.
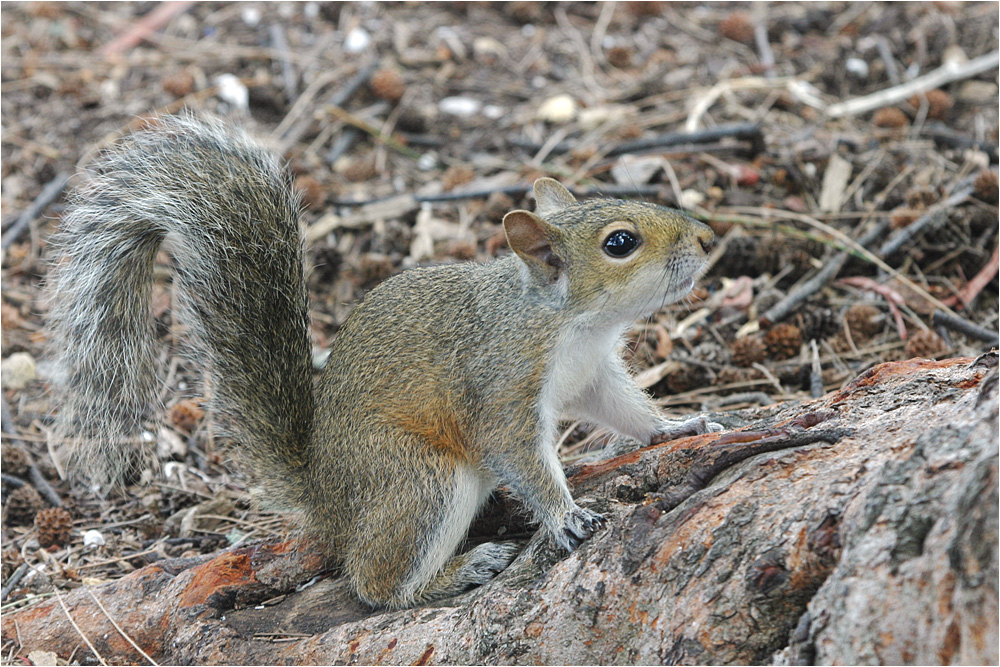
{"points": [[226, 571], [425, 657], [589, 470], [882, 372]]}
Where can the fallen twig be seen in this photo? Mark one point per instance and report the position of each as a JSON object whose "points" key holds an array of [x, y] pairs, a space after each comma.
{"points": [[343, 143], [815, 372], [51, 190], [933, 217], [145, 27], [119, 629], [750, 132], [963, 326], [377, 134], [605, 190], [803, 291], [11, 480], [947, 73], [43, 487], [742, 131], [891, 296], [885, 53], [764, 48], [78, 630], [856, 248], [946, 137], [288, 77], [978, 282], [13, 580], [34, 474], [801, 90]]}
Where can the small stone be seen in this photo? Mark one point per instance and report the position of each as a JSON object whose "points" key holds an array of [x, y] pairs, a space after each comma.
{"points": [[636, 169], [954, 55], [488, 48], [357, 40], [977, 92], [857, 67], [558, 109], [18, 370], [460, 106], [93, 538], [232, 91], [691, 198], [250, 16]]}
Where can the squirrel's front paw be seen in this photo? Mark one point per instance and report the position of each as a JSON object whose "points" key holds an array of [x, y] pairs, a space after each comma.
{"points": [[577, 525], [671, 430]]}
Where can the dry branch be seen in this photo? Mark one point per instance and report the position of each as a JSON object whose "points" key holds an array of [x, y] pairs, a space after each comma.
{"points": [[947, 73]]}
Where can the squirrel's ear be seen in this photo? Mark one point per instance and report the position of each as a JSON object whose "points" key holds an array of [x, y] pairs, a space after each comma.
{"points": [[531, 238], [551, 197]]}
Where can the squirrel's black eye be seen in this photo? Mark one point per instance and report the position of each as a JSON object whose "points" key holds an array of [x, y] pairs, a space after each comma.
{"points": [[621, 243]]}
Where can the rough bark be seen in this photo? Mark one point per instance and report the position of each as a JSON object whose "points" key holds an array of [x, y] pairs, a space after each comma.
{"points": [[861, 529]]}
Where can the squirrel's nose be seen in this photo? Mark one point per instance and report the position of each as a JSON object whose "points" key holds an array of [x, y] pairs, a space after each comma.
{"points": [[706, 238]]}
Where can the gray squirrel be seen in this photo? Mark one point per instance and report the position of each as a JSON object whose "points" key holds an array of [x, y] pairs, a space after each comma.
{"points": [[444, 383]]}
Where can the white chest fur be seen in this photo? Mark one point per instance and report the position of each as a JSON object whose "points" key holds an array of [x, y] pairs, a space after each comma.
{"points": [[580, 354]]}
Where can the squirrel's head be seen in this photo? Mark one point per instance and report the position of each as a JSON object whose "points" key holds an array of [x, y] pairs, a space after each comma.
{"points": [[622, 258]]}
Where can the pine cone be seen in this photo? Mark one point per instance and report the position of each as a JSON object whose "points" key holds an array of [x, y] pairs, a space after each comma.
{"points": [[987, 187], [186, 414], [15, 460], [455, 176], [890, 117], [686, 379], [864, 322], [938, 103], [737, 27], [748, 351], [11, 560], [22, 504], [819, 323], [388, 84], [741, 258], [620, 56], [783, 341], [926, 345], [732, 375], [54, 526]]}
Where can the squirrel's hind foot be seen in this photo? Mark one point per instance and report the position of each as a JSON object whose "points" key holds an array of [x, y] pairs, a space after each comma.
{"points": [[671, 430]]}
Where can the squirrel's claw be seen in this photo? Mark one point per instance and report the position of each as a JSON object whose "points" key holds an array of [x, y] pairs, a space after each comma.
{"points": [[671, 430], [578, 524]]}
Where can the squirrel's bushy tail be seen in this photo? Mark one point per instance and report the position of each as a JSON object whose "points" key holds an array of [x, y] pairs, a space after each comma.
{"points": [[226, 210]]}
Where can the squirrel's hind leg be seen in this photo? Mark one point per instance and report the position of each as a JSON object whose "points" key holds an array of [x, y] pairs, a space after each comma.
{"points": [[408, 556]]}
